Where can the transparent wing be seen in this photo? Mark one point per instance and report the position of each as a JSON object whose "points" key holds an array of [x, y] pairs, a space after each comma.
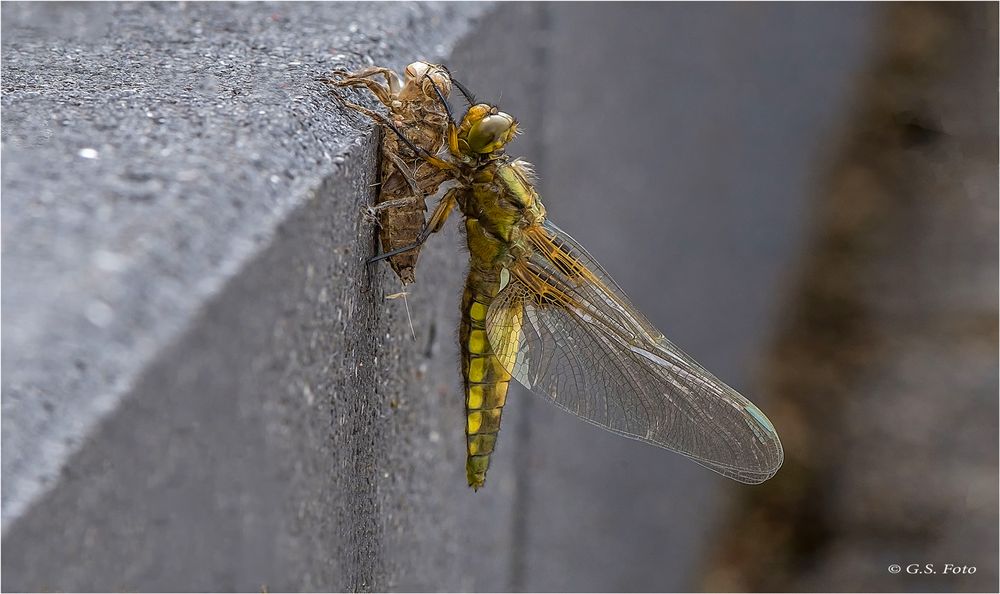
{"points": [[569, 334]]}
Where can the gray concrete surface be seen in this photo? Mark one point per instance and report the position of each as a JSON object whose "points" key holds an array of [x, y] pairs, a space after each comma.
{"points": [[205, 389], [683, 144], [142, 166]]}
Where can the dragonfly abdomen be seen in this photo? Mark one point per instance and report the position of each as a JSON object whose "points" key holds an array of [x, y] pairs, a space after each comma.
{"points": [[486, 380]]}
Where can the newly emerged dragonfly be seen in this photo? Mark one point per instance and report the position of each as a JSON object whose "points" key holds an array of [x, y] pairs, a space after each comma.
{"points": [[539, 309], [405, 179]]}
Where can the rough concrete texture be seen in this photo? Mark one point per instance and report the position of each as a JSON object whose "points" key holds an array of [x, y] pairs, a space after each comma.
{"points": [[204, 387], [267, 418]]}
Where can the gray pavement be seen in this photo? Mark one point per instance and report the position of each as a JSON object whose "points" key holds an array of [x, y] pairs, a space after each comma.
{"points": [[205, 389]]}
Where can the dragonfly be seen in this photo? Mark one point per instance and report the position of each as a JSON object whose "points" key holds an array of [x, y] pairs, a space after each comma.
{"points": [[539, 309], [405, 180]]}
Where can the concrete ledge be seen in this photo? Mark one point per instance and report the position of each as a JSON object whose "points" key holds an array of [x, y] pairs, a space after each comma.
{"points": [[190, 332], [202, 380]]}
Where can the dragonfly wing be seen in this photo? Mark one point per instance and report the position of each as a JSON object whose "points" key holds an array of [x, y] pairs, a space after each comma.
{"points": [[569, 334]]}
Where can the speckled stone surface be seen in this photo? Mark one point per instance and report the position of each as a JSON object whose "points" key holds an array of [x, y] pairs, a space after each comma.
{"points": [[190, 330], [202, 380]]}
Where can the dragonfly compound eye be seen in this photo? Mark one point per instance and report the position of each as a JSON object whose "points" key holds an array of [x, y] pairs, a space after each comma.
{"points": [[491, 133]]}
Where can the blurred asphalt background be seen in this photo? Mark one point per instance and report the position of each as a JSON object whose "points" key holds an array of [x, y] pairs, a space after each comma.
{"points": [[204, 389]]}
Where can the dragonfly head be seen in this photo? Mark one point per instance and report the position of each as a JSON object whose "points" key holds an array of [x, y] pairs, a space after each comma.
{"points": [[427, 76], [485, 130]]}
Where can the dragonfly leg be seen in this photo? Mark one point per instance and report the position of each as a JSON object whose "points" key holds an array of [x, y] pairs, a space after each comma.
{"points": [[404, 170], [381, 119], [364, 111], [443, 211], [377, 209], [371, 212], [421, 152], [364, 78], [469, 97], [368, 73], [380, 91], [384, 121], [437, 220], [444, 102], [452, 132]]}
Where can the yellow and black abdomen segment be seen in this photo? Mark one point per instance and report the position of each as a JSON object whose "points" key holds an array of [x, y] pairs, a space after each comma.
{"points": [[486, 380]]}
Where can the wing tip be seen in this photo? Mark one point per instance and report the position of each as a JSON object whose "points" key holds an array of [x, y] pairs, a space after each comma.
{"points": [[769, 465]]}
